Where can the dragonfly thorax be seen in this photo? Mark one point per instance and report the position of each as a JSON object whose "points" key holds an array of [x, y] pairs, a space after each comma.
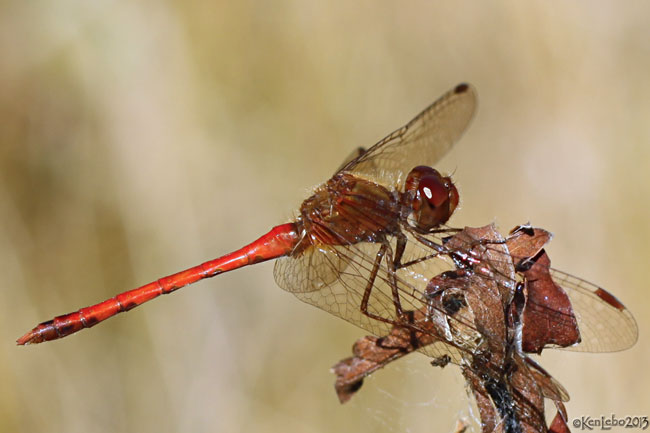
{"points": [[348, 210]]}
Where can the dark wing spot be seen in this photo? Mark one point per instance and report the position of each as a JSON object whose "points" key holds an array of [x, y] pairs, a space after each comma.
{"points": [[461, 88], [610, 299]]}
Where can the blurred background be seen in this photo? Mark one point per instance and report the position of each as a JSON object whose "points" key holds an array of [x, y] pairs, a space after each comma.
{"points": [[138, 139]]}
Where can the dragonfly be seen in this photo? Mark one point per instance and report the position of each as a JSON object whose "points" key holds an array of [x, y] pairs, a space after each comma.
{"points": [[365, 244]]}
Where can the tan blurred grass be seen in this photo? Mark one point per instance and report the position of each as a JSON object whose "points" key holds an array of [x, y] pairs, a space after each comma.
{"points": [[138, 139]]}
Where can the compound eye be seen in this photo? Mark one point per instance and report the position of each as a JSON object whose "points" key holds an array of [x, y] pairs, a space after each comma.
{"points": [[434, 190]]}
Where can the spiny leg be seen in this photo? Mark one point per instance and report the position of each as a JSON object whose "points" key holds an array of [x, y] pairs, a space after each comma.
{"points": [[394, 263], [419, 260], [371, 282]]}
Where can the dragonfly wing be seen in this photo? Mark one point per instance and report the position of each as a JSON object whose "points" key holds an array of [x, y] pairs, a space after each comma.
{"points": [[356, 153], [422, 141], [335, 278], [605, 324], [311, 271]]}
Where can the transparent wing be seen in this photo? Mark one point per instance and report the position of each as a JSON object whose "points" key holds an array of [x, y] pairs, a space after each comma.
{"points": [[422, 141], [605, 324], [335, 278], [341, 295], [313, 271]]}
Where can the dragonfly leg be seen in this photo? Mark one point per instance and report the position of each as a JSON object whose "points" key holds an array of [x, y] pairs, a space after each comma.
{"points": [[401, 246], [428, 242], [416, 261], [371, 282], [446, 230], [394, 263], [481, 242]]}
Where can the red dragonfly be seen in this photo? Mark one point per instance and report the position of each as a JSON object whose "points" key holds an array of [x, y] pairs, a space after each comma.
{"points": [[367, 241]]}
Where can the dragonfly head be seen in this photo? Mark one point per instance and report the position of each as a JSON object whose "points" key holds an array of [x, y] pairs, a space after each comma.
{"points": [[429, 198]]}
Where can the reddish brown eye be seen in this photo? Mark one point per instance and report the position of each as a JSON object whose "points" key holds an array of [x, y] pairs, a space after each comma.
{"points": [[433, 190], [430, 198]]}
